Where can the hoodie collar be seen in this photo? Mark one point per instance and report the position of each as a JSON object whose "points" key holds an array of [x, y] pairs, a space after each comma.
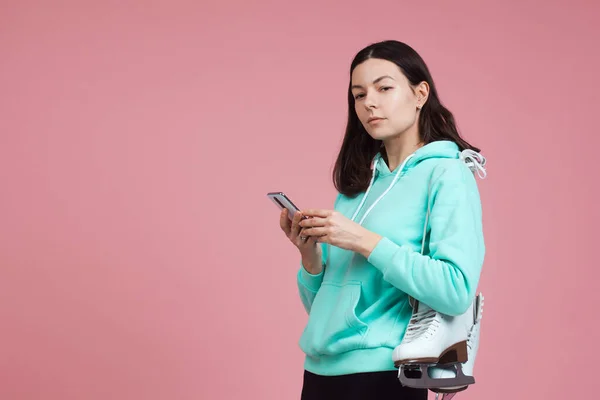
{"points": [[437, 149]]}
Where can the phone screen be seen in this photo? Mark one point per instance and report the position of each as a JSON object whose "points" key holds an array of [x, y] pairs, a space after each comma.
{"points": [[282, 201]]}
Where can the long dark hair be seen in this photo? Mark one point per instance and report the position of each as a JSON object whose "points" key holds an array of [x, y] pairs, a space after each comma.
{"points": [[352, 171]]}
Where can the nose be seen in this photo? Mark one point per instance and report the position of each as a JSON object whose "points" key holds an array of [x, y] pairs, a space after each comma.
{"points": [[369, 101]]}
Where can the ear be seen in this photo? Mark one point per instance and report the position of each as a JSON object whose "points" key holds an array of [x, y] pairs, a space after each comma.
{"points": [[421, 93]]}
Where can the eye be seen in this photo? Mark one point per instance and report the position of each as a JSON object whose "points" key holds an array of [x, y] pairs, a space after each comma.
{"points": [[358, 96], [385, 88]]}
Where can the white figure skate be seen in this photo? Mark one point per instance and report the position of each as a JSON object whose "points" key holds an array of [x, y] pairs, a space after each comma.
{"points": [[432, 340], [440, 373]]}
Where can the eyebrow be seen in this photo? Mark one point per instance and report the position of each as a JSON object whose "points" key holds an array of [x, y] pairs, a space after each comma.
{"points": [[375, 81]]}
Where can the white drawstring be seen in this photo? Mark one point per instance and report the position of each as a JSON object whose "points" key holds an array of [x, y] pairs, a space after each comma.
{"points": [[475, 162], [383, 194], [387, 190], [368, 189]]}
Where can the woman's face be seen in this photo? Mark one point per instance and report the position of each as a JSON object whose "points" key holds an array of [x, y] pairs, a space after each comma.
{"points": [[381, 91]]}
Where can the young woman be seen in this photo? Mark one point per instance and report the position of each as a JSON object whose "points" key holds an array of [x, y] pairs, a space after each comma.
{"points": [[362, 260]]}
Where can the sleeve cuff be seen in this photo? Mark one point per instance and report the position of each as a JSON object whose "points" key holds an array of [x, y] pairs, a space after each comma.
{"points": [[310, 281], [383, 253]]}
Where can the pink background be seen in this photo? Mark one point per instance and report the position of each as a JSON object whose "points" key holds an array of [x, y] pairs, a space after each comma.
{"points": [[139, 256]]}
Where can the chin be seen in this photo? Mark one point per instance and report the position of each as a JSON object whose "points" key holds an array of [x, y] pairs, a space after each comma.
{"points": [[380, 135]]}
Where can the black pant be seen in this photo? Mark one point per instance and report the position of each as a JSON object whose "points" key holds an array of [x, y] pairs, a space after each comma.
{"points": [[363, 386]]}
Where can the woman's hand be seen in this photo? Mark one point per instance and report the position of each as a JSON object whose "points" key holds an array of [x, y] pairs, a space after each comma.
{"points": [[310, 251], [332, 227]]}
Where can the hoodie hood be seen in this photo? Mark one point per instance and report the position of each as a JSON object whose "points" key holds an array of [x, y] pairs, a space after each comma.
{"points": [[437, 149]]}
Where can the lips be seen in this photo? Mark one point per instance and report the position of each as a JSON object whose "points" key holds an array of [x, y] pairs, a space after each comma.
{"points": [[374, 119]]}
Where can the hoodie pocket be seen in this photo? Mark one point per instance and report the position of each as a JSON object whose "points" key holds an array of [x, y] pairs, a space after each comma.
{"points": [[333, 326]]}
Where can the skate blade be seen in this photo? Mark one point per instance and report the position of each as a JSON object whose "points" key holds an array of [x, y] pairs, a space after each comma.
{"points": [[416, 378], [457, 353]]}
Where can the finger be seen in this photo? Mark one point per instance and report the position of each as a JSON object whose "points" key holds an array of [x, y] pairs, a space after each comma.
{"points": [[315, 212], [303, 240], [318, 231], [312, 240], [313, 221], [284, 222], [322, 239], [295, 224]]}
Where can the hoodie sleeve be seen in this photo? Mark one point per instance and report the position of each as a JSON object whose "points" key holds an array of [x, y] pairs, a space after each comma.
{"points": [[309, 284], [446, 278]]}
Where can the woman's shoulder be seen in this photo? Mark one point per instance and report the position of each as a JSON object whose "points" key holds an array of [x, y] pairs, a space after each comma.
{"points": [[454, 173]]}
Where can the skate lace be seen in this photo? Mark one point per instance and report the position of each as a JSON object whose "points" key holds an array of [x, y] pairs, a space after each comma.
{"points": [[477, 321], [475, 162], [422, 323]]}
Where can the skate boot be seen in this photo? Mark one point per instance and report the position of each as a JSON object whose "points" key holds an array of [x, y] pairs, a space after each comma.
{"points": [[443, 374], [434, 339]]}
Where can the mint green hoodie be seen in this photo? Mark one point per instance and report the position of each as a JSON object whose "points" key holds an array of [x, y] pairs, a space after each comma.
{"points": [[358, 307]]}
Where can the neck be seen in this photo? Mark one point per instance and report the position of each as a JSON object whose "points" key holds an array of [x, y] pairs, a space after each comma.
{"points": [[398, 148]]}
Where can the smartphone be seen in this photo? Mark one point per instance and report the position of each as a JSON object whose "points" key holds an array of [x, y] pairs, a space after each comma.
{"points": [[282, 201]]}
